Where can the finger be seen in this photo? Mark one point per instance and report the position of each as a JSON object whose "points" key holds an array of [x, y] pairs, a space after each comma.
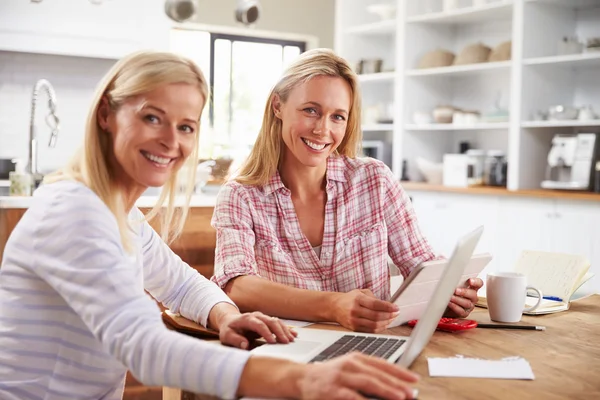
{"points": [[468, 293], [462, 302], [347, 394], [392, 369], [254, 324], [457, 310], [274, 324], [375, 304], [371, 384], [366, 313], [234, 339], [475, 283]]}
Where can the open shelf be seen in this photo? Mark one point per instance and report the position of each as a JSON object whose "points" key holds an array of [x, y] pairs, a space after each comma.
{"points": [[571, 60], [467, 15], [569, 3], [378, 77], [560, 124], [461, 69], [377, 127], [452, 127], [386, 27]]}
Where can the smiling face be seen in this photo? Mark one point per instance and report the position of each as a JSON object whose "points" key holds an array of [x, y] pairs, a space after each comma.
{"points": [[152, 134], [314, 119]]}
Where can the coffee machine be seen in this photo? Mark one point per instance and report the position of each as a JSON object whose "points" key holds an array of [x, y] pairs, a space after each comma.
{"points": [[571, 162]]}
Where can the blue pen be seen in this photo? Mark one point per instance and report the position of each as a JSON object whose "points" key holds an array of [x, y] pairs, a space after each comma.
{"points": [[554, 298]]}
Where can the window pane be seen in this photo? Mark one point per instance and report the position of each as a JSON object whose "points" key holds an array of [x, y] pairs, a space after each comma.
{"points": [[222, 90], [256, 68], [289, 54]]}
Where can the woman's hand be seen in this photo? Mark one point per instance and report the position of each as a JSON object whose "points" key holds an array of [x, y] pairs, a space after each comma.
{"points": [[464, 299], [359, 310], [237, 329], [356, 376]]}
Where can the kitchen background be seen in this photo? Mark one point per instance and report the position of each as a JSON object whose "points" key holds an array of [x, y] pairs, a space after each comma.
{"points": [[487, 110]]}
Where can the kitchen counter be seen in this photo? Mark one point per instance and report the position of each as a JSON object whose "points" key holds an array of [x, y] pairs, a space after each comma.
{"points": [[496, 191], [198, 200]]}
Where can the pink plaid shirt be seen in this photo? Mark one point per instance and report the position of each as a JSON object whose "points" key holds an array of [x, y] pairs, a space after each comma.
{"points": [[367, 216]]}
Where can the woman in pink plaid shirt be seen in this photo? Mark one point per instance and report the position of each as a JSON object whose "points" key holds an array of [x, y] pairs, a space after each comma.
{"points": [[305, 229]]}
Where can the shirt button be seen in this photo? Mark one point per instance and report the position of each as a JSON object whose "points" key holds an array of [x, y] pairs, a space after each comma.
{"points": [[327, 253]]}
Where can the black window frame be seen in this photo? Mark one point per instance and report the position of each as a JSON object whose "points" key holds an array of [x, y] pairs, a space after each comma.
{"points": [[238, 38]]}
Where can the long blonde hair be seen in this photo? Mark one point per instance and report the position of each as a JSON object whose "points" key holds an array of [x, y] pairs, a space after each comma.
{"points": [[134, 75], [263, 161]]}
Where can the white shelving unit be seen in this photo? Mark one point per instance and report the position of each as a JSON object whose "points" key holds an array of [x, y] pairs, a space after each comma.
{"points": [[378, 128], [534, 79]]}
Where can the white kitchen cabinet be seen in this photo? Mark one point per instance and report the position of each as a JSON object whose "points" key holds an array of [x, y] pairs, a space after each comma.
{"points": [[523, 224], [109, 29], [446, 217]]}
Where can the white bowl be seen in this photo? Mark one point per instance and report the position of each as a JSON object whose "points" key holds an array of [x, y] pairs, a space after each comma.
{"points": [[384, 11], [432, 172]]}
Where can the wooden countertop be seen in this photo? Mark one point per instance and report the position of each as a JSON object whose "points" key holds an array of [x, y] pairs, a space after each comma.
{"points": [[564, 358], [497, 191]]}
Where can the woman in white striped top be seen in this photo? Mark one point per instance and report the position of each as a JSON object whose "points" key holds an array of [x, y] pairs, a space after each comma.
{"points": [[74, 316]]}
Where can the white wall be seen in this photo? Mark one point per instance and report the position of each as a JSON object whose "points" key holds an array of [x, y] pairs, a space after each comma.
{"points": [[308, 17], [74, 80]]}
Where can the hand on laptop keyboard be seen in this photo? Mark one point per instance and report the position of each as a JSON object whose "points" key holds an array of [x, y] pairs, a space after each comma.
{"points": [[357, 373]]}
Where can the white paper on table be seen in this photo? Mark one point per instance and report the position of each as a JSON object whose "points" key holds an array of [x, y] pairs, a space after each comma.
{"points": [[506, 368], [296, 324]]}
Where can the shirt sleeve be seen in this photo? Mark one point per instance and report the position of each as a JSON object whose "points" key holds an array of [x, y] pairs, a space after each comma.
{"points": [[78, 252], [232, 220], [174, 283], [407, 246]]}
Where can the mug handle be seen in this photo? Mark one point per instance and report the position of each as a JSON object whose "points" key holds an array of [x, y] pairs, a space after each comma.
{"points": [[540, 298]]}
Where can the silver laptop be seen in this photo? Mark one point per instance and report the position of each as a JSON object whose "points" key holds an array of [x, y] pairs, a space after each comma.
{"points": [[313, 345]]}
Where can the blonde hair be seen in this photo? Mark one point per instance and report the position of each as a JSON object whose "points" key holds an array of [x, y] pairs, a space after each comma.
{"points": [[134, 75], [263, 161]]}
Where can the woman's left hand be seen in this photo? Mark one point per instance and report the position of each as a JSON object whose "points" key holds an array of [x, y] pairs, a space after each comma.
{"points": [[464, 299], [237, 329]]}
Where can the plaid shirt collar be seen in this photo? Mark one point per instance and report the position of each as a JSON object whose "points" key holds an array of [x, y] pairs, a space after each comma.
{"points": [[335, 172]]}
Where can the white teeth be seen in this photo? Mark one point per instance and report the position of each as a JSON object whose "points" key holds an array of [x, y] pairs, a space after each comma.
{"points": [[156, 159], [314, 145]]}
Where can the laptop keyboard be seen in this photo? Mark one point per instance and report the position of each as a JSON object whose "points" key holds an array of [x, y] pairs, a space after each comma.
{"points": [[370, 345]]}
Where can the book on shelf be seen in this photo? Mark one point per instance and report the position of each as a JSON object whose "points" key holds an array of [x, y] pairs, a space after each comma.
{"points": [[557, 275]]}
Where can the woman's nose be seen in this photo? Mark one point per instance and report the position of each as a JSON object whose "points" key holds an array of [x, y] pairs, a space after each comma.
{"points": [[321, 126], [168, 137]]}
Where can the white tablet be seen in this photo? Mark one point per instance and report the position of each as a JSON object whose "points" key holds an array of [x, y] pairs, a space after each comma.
{"points": [[416, 290]]}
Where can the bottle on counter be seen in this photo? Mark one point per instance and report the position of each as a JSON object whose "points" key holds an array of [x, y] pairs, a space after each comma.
{"points": [[20, 180]]}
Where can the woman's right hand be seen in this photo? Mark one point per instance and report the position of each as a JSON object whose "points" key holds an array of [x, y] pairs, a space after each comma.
{"points": [[356, 377], [360, 311]]}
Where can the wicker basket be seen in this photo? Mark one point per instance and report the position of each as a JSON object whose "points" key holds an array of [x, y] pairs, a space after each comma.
{"points": [[472, 54], [436, 58]]}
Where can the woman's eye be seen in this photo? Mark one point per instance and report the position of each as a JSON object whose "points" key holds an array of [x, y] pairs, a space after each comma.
{"points": [[339, 117], [187, 129], [310, 110], [152, 118]]}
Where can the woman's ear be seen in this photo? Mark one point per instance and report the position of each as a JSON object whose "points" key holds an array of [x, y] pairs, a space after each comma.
{"points": [[103, 113], [277, 106]]}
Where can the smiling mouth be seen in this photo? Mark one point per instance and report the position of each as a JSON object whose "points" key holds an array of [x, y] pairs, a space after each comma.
{"points": [[160, 161], [315, 146]]}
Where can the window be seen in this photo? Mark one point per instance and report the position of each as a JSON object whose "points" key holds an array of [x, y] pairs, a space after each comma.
{"points": [[241, 71]]}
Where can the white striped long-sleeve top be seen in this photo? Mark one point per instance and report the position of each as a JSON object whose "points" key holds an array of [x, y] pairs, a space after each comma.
{"points": [[74, 316]]}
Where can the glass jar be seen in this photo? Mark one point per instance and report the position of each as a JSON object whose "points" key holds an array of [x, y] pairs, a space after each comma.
{"points": [[495, 168], [476, 165]]}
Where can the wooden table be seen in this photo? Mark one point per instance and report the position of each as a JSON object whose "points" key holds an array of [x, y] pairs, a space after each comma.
{"points": [[565, 358]]}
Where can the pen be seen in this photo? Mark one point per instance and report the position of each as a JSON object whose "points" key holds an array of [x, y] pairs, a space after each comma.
{"points": [[552, 298], [502, 326]]}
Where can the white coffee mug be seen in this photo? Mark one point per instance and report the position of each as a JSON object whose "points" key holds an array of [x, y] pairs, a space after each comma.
{"points": [[506, 293]]}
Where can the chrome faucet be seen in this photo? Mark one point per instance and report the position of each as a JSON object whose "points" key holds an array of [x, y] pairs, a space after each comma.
{"points": [[51, 120]]}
